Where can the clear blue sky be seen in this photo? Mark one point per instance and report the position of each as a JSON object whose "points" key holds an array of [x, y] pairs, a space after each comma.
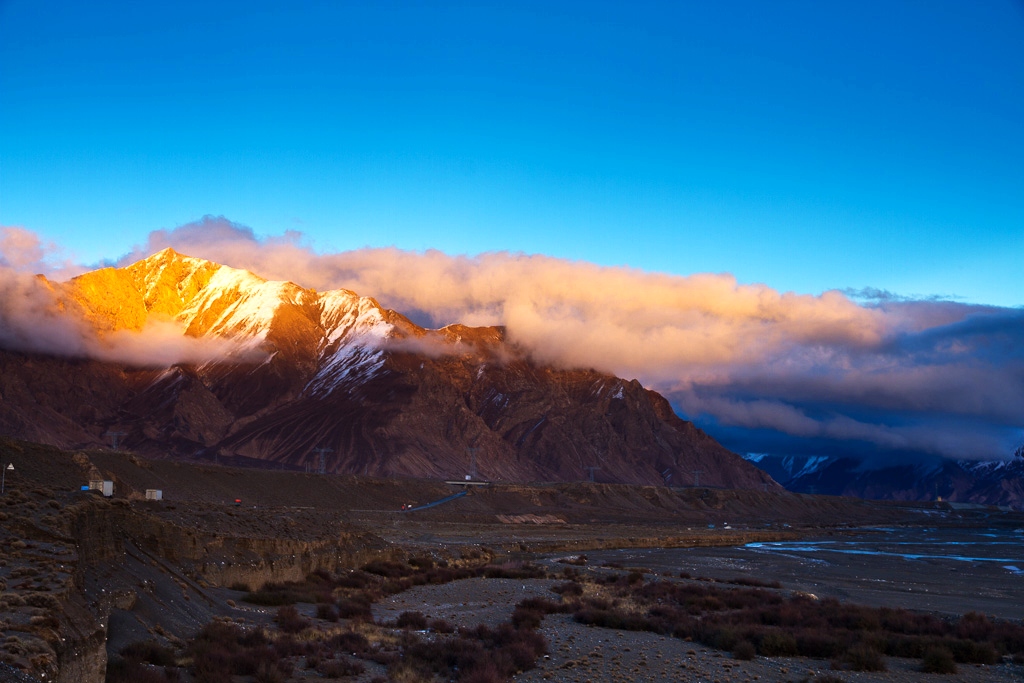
{"points": [[806, 145]]}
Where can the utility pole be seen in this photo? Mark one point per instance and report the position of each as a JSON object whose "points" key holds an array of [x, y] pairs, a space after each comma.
{"points": [[323, 452], [696, 477], [592, 468], [113, 438]]}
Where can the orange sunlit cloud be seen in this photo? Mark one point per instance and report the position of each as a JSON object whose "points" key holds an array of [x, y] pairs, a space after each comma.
{"points": [[931, 376]]}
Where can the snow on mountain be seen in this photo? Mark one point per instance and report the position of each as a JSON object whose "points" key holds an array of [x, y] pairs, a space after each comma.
{"points": [[208, 300], [355, 334], [237, 303], [992, 482], [786, 468]]}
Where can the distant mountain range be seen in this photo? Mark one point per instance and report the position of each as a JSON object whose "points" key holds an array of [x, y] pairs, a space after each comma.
{"points": [[283, 376], [998, 483]]}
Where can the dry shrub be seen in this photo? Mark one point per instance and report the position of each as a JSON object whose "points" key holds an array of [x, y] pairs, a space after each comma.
{"points": [[412, 620], [356, 606], [485, 672], [349, 641], [970, 652], [289, 620], [864, 658], [338, 668], [527, 617], [326, 611], [357, 579], [388, 569], [568, 588], [404, 672], [514, 570], [974, 626], [797, 625], [287, 645], [938, 660], [223, 649], [777, 644], [422, 562], [269, 673], [44, 600], [275, 594], [441, 626], [752, 582], [744, 650], [820, 643]]}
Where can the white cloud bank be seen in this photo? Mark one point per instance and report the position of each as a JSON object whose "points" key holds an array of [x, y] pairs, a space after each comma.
{"points": [[925, 376]]}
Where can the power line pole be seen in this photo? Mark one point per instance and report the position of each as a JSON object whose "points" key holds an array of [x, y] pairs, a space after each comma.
{"points": [[323, 452], [113, 438], [696, 477]]}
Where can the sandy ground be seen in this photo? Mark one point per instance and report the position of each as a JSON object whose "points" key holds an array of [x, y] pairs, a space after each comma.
{"points": [[582, 654]]}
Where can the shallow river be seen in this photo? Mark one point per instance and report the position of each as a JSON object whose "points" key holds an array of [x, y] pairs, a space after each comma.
{"points": [[939, 569]]}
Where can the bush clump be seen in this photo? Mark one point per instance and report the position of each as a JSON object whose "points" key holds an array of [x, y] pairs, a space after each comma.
{"points": [[863, 658], [289, 620], [326, 611], [744, 650], [938, 660], [341, 667], [413, 620]]}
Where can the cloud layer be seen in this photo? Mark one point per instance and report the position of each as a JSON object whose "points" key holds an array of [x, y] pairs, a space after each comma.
{"points": [[892, 375], [35, 317], [896, 375]]}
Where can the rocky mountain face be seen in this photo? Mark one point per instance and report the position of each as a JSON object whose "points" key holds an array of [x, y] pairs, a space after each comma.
{"points": [[920, 479], [298, 379]]}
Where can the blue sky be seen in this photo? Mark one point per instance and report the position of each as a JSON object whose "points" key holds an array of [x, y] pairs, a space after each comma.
{"points": [[807, 146], [794, 146]]}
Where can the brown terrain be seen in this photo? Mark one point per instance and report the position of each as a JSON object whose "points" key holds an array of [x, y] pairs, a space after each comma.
{"points": [[83, 576]]}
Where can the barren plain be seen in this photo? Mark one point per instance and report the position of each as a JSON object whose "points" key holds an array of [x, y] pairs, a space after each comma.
{"points": [[85, 577]]}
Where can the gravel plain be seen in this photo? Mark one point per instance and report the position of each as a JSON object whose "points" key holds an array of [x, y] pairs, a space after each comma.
{"points": [[582, 654]]}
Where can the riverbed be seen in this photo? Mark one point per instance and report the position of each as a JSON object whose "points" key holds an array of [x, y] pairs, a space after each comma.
{"points": [[939, 569]]}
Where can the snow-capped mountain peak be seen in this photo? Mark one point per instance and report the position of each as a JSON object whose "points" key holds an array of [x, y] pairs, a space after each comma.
{"points": [[208, 300]]}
